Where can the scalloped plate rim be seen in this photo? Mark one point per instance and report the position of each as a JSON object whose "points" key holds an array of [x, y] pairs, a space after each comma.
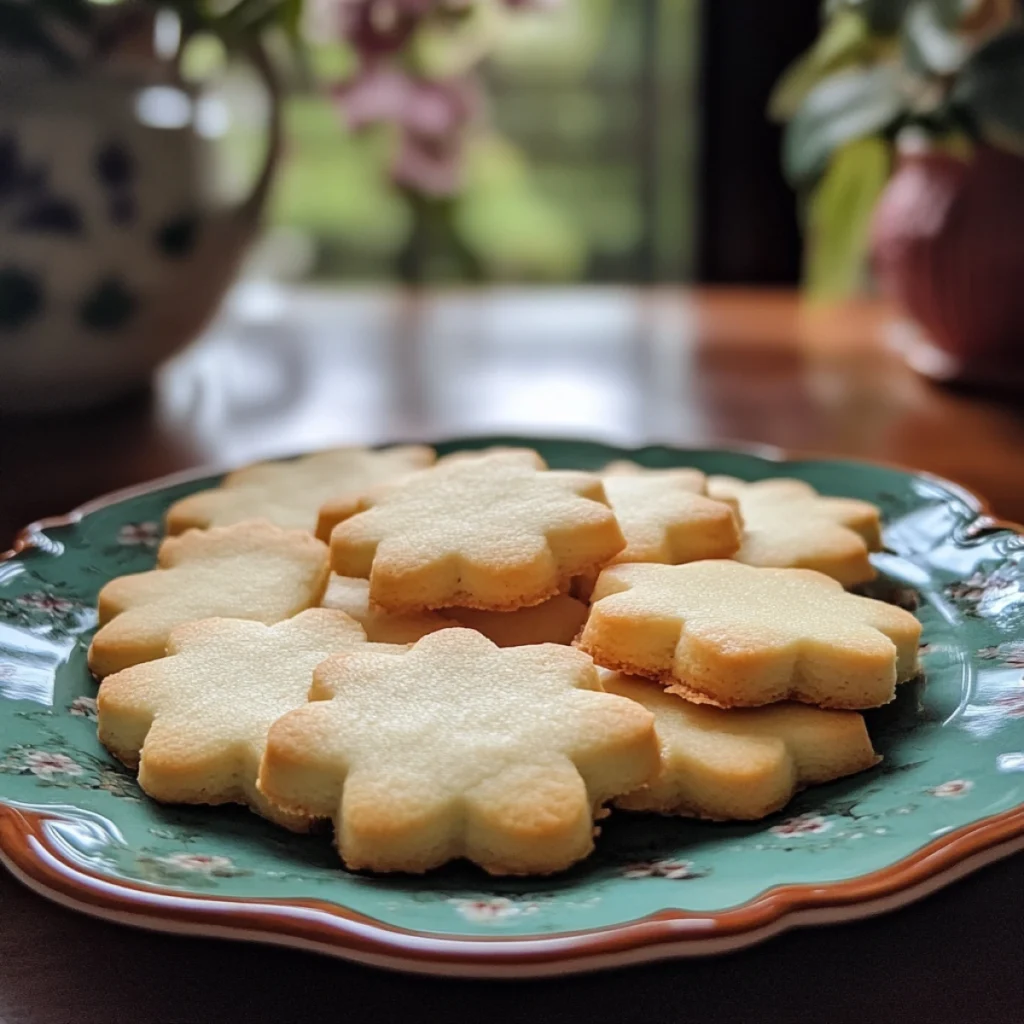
{"points": [[655, 937]]}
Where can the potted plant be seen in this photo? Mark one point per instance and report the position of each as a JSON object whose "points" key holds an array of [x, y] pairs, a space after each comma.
{"points": [[905, 138], [114, 251]]}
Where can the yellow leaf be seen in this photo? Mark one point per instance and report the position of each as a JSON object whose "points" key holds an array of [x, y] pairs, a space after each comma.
{"points": [[839, 218]]}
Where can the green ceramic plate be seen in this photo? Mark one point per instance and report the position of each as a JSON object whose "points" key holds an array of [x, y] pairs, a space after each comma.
{"points": [[948, 797]]}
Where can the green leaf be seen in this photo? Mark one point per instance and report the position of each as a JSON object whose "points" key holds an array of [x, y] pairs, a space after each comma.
{"points": [[508, 225], [929, 45], [843, 41], [290, 17], [847, 106], [839, 218], [991, 90]]}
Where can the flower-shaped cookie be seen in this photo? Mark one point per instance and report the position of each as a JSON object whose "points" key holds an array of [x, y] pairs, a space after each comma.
{"points": [[251, 570], [788, 525], [195, 722], [459, 749], [343, 506], [490, 533], [290, 493], [724, 633], [527, 456], [743, 763], [666, 517]]}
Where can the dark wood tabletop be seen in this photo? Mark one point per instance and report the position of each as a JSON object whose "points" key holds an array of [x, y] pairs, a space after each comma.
{"points": [[284, 371]]}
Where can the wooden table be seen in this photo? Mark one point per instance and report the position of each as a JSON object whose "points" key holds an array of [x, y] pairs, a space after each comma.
{"points": [[287, 371]]}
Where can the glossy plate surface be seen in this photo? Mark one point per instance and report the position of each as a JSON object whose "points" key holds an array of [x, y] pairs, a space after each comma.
{"points": [[948, 797]]}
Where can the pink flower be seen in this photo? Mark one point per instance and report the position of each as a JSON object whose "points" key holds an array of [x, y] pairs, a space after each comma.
{"points": [[432, 118], [439, 109], [422, 106], [1011, 653], [954, 788], [668, 868], [46, 764], [432, 115], [802, 824], [83, 707], [377, 93], [45, 602], [1011, 704], [433, 170], [200, 863], [144, 534], [488, 911], [980, 585]]}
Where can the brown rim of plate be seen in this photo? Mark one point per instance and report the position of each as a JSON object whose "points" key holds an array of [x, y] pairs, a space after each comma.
{"points": [[327, 927]]}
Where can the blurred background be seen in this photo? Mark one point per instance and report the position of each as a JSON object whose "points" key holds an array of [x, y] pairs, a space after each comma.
{"points": [[232, 228], [451, 141]]}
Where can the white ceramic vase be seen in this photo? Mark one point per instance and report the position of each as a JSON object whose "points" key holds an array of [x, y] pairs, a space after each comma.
{"points": [[113, 252]]}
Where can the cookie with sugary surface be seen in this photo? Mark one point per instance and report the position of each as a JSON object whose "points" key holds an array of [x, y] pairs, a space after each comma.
{"points": [[527, 456], [195, 722], [725, 633], [342, 507], [459, 749], [492, 533], [556, 621], [252, 570], [290, 492], [742, 763], [789, 525], [666, 517], [352, 596]]}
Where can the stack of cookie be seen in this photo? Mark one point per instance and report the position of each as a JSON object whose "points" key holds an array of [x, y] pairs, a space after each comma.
{"points": [[472, 656]]}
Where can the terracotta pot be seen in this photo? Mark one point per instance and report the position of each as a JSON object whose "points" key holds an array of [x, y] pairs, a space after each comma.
{"points": [[948, 247], [114, 251]]}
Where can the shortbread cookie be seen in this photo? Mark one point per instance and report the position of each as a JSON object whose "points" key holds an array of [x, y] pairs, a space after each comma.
{"points": [[352, 596], [556, 621], [459, 749], [342, 507], [195, 722], [788, 525], [527, 456], [251, 570], [744, 763], [290, 493], [345, 506], [729, 634], [491, 533], [666, 517]]}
